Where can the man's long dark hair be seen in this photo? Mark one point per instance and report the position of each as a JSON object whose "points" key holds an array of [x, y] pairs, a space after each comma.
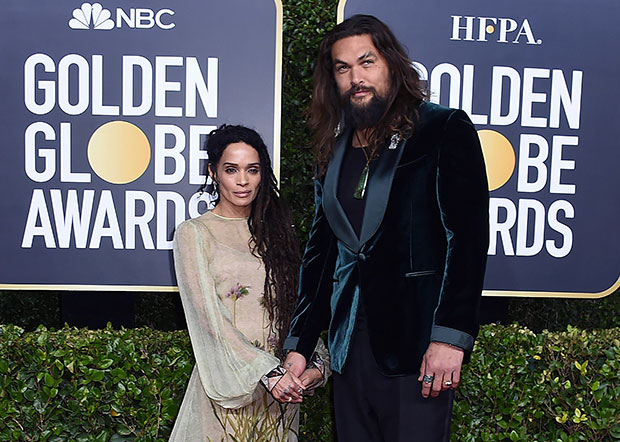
{"points": [[403, 101], [271, 227]]}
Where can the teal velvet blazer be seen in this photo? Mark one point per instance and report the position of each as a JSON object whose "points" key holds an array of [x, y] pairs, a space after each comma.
{"points": [[418, 265]]}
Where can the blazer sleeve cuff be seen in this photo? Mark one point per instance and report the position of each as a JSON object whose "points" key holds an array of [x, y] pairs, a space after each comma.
{"points": [[453, 337], [290, 343]]}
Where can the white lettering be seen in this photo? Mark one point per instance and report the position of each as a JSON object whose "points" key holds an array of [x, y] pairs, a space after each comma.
{"points": [[66, 175], [98, 107], [106, 212], [64, 91], [526, 162], [71, 219], [523, 227], [47, 86], [131, 63], [558, 164], [163, 87], [133, 220], [38, 211], [514, 90], [570, 102], [48, 154], [563, 229], [530, 97], [175, 153], [501, 228], [164, 234]]}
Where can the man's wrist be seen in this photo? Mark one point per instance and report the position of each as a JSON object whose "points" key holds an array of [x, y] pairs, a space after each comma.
{"points": [[295, 362]]}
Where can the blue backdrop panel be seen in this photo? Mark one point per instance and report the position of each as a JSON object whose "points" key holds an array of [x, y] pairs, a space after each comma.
{"points": [[105, 108], [540, 81]]}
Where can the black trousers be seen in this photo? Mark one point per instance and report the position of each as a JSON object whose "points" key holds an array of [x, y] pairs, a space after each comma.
{"points": [[372, 407]]}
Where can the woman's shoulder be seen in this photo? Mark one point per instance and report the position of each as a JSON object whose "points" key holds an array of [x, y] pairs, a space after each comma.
{"points": [[199, 225]]}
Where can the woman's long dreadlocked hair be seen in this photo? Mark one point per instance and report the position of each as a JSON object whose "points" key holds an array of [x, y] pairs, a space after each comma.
{"points": [[403, 101], [273, 237]]}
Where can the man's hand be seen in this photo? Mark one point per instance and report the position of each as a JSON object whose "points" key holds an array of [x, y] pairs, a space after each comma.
{"points": [[295, 362], [310, 377], [441, 362]]}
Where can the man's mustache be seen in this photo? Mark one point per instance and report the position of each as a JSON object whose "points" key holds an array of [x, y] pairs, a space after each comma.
{"points": [[354, 89]]}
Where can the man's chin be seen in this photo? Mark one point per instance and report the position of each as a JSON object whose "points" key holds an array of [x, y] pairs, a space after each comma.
{"points": [[362, 103]]}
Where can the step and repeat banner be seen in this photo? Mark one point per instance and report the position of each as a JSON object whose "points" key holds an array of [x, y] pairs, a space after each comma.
{"points": [[104, 112], [540, 82]]}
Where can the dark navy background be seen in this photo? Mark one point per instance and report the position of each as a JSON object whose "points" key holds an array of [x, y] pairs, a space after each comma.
{"points": [[240, 33], [577, 35]]}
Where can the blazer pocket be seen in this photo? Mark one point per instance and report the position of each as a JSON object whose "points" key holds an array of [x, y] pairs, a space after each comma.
{"points": [[420, 273], [408, 163]]}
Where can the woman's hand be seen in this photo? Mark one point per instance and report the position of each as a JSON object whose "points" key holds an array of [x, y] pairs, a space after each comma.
{"points": [[289, 389]]}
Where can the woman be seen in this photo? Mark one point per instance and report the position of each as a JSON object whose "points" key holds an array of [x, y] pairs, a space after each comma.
{"points": [[237, 271]]}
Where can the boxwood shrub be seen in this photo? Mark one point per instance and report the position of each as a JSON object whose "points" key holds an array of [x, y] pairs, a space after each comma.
{"points": [[126, 385]]}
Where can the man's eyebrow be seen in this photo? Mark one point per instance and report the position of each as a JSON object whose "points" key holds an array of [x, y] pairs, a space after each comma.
{"points": [[339, 61], [366, 55]]}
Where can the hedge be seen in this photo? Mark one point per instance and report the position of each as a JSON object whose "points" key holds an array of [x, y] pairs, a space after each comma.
{"points": [[114, 385]]}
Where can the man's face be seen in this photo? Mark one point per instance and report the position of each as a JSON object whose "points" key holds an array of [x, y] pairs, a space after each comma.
{"points": [[361, 72]]}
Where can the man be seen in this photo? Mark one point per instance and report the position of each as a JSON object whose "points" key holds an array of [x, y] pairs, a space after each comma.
{"points": [[395, 260]]}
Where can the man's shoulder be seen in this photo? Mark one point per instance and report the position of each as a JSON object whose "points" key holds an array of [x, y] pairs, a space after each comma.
{"points": [[434, 118], [433, 113]]}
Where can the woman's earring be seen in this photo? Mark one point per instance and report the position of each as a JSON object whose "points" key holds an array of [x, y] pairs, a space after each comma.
{"points": [[211, 186]]}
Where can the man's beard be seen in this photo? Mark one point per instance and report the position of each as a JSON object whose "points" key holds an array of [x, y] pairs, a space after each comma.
{"points": [[366, 115]]}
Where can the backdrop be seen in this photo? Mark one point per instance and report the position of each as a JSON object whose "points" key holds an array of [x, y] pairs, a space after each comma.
{"points": [[540, 82], [104, 112]]}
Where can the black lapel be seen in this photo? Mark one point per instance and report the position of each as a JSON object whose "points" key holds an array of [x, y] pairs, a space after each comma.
{"points": [[337, 218], [379, 186]]}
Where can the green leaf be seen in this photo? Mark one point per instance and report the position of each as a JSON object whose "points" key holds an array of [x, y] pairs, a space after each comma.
{"points": [[106, 363], [49, 380], [123, 430]]}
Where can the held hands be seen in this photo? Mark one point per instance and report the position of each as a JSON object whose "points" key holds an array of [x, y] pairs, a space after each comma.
{"points": [[440, 369], [288, 383], [289, 387]]}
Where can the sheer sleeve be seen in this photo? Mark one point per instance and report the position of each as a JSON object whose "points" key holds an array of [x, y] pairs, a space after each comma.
{"points": [[229, 365]]}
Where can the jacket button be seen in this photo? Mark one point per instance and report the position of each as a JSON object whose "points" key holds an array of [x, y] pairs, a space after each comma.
{"points": [[361, 256]]}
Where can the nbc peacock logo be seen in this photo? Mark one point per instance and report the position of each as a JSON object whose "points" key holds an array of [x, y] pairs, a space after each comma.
{"points": [[91, 16], [95, 16]]}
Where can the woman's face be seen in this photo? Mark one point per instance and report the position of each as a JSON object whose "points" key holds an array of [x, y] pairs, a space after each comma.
{"points": [[238, 175]]}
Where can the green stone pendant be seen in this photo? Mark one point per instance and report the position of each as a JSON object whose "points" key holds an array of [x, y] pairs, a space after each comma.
{"points": [[360, 190]]}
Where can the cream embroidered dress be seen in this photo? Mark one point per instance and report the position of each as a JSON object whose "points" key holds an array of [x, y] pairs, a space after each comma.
{"points": [[221, 286]]}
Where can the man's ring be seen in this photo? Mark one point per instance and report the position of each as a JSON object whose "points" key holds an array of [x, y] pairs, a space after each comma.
{"points": [[299, 390], [448, 383], [428, 379]]}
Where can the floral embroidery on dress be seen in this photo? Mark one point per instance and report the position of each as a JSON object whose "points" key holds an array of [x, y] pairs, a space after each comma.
{"points": [[237, 292]]}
